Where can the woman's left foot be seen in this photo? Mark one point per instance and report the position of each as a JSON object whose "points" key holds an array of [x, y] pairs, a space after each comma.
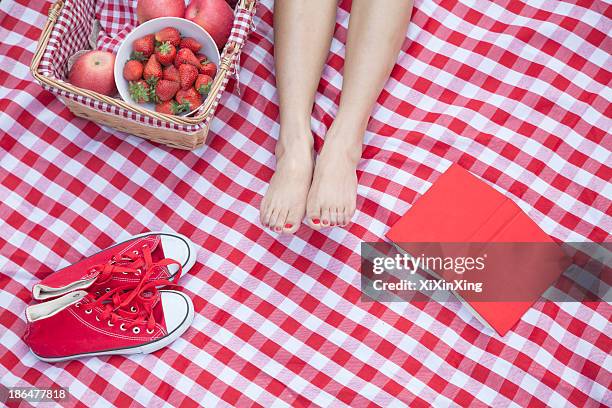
{"points": [[333, 193]]}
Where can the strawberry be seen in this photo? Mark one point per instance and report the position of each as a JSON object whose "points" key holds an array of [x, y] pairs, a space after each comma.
{"points": [[171, 107], [208, 68], [165, 90], [153, 69], [132, 70], [165, 53], [186, 56], [171, 73], [145, 46], [139, 91], [189, 96], [191, 43], [187, 74], [169, 34], [203, 84]]}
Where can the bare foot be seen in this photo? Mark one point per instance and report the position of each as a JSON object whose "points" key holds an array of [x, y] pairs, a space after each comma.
{"points": [[333, 194], [282, 208]]}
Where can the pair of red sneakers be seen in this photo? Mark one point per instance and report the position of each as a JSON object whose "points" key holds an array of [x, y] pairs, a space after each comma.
{"points": [[111, 302]]}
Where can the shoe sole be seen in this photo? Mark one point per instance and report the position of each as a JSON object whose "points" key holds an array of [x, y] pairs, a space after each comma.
{"points": [[146, 348]]}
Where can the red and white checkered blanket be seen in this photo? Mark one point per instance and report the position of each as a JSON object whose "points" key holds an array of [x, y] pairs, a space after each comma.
{"points": [[515, 91]]}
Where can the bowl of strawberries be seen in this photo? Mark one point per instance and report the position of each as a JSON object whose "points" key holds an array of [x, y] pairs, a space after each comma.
{"points": [[168, 65]]}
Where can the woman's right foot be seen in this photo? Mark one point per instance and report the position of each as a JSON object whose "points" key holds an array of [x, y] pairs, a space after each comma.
{"points": [[284, 204]]}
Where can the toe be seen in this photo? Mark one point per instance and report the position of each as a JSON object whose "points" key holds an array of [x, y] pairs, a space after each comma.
{"points": [[325, 217], [264, 213], [333, 217], [281, 220], [341, 217], [348, 215], [269, 215], [313, 218], [293, 221], [273, 218]]}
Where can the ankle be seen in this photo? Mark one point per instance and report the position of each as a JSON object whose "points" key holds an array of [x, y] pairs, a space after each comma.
{"points": [[295, 121], [294, 141], [345, 141]]}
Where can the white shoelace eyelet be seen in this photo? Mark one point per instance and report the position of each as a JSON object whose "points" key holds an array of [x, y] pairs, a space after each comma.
{"points": [[107, 290], [136, 330], [150, 331], [97, 292], [88, 311], [97, 319], [122, 327], [125, 273], [133, 309], [77, 304], [110, 324], [138, 271], [135, 252]]}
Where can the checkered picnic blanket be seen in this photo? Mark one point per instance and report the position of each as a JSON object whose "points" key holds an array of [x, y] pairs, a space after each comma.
{"points": [[515, 91]]}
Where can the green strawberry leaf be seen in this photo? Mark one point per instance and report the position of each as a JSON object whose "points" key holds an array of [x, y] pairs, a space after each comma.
{"points": [[183, 107], [137, 56], [152, 82], [164, 48], [205, 89], [138, 92]]}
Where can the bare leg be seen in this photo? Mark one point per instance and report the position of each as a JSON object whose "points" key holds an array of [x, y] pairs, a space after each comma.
{"points": [[377, 29], [303, 31]]}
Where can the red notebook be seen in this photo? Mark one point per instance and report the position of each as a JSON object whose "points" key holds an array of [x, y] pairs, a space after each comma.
{"points": [[461, 208]]}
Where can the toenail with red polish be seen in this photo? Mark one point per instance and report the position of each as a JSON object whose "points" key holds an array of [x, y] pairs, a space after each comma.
{"points": [[288, 225], [316, 221], [278, 229]]}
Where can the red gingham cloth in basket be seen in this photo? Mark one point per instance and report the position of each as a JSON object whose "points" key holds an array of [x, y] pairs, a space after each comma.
{"points": [[515, 91]]}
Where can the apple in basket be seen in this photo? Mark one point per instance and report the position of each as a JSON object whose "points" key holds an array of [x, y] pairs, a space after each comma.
{"points": [[167, 64], [215, 16], [149, 9], [93, 70]]}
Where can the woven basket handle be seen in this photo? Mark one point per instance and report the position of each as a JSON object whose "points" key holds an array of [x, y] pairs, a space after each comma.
{"points": [[229, 59], [54, 13]]}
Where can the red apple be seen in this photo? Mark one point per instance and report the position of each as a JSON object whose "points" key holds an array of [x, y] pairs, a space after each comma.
{"points": [[94, 70], [150, 9], [215, 16]]}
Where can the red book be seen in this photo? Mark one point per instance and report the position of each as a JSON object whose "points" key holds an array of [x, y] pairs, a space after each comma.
{"points": [[460, 208]]}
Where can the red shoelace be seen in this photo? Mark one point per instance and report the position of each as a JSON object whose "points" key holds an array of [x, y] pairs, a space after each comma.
{"points": [[133, 304], [134, 262], [134, 301]]}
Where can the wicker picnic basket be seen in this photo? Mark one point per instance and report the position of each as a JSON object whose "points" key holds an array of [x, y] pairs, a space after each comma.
{"points": [[69, 29]]}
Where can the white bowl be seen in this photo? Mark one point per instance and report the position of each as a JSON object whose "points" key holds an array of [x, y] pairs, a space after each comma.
{"points": [[186, 28]]}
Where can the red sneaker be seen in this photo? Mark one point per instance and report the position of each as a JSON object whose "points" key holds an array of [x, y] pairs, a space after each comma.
{"points": [[130, 319], [121, 264]]}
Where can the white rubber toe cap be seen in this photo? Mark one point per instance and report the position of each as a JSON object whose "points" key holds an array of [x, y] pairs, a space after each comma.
{"points": [[178, 311], [179, 248]]}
